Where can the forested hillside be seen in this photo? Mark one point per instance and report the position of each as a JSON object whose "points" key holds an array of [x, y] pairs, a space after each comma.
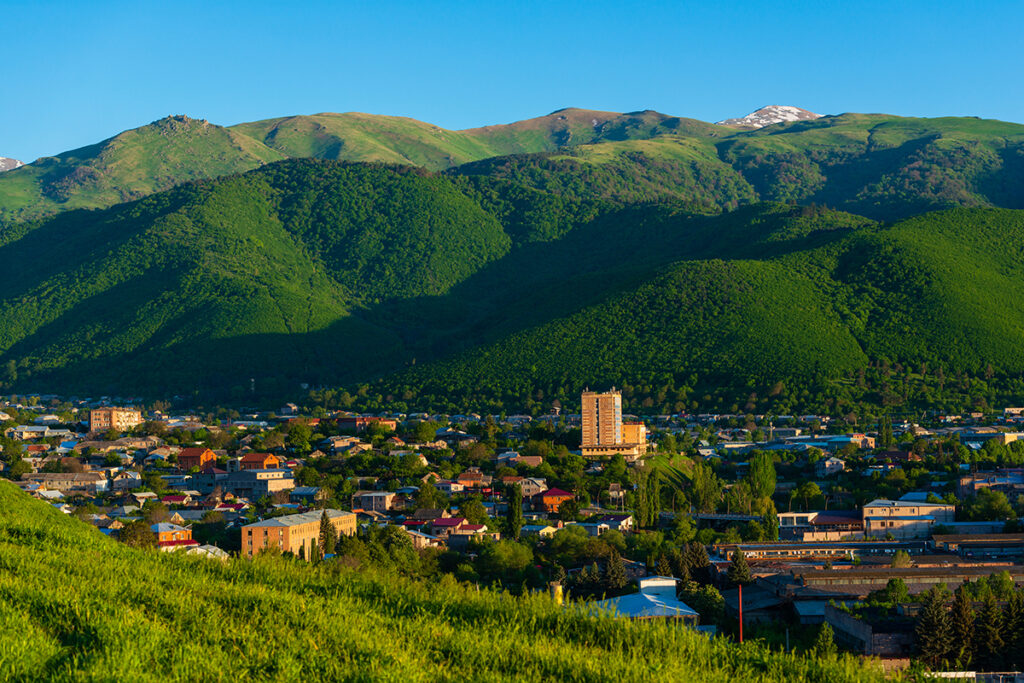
{"points": [[119, 613], [627, 248]]}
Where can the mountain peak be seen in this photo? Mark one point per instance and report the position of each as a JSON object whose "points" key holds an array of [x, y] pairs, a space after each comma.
{"points": [[8, 164], [773, 113]]}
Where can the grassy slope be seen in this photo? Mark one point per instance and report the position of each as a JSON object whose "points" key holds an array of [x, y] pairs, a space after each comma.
{"points": [[129, 165], [391, 139], [78, 606], [882, 166]]}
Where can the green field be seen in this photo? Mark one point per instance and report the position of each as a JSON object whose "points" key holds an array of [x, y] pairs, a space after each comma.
{"points": [[77, 606]]}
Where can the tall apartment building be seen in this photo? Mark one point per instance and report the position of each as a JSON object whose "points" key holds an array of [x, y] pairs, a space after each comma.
{"points": [[121, 419], [604, 433], [294, 532]]}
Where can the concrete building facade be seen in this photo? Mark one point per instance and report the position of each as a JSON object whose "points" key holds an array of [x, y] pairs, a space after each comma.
{"points": [[604, 433], [296, 534], [121, 419]]}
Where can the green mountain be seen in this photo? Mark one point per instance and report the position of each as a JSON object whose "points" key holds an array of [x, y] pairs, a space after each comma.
{"points": [[81, 606], [885, 167], [488, 282], [479, 290], [129, 165], [770, 302], [881, 166], [398, 140]]}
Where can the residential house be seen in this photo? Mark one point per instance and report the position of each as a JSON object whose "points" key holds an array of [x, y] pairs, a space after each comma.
{"points": [[172, 537], [376, 501], [446, 526], [531, 486], [622, 522], [905, 519], [190, 458], [826, 467], [256, 484], [550, 500], [307, 495], [449, 487], [258, 461], [656, 599], [539, 530], [68, 483], [360, 423]]}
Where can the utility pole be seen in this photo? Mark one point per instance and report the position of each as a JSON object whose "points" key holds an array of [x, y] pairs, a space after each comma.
{"points": [[740, 596]]}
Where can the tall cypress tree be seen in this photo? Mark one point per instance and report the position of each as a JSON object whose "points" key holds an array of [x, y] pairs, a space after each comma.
{"points": [[328, 539], [515, 511], [1013, 630], [614, 578], [989, 631], [934, 634], [962, 625], [697, 561], [653, 497]]}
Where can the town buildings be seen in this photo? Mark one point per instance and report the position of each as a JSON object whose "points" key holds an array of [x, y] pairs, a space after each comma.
{"points": [[118, 419], [297, 534], [603, 431]]}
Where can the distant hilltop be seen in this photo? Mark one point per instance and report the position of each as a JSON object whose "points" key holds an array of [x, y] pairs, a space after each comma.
{"points": [[773, 113], [7, 164]]}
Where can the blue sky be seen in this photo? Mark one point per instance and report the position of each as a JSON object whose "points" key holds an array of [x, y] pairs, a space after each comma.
{"points": [[74, 73]]}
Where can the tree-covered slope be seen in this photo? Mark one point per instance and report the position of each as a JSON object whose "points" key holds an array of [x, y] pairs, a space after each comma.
{"points": [[79, 606], [128, 166], [245, 277], [884, 166], [756, 300]]}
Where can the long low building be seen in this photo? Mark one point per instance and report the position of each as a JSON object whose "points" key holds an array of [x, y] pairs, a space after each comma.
{"points": [[296, 534], [861, 580], [822, 551], [981, 546]]}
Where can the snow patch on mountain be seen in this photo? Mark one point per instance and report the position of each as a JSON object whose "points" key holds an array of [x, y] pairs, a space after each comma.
{"points": [[7, 164], [773, 113]]}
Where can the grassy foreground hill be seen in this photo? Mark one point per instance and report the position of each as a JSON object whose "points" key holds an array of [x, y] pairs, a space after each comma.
{"points": [[76, 605]]}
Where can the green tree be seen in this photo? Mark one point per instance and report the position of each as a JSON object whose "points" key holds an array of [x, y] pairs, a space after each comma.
{"points": [[137, 534], [807, 491], [962, 627], [770, 521], [696, 561], [328, 536], [739, 570], [934, 631], [761, 476], [901, 560], [515, 511], [825, 644], [707, 488], [614, 578], [473, 510], [569, 510], [989, 631], [896, 591], [1013, 630]]}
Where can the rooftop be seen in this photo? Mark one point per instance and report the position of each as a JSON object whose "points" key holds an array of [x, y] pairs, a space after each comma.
{"points": [[302, 518]]}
